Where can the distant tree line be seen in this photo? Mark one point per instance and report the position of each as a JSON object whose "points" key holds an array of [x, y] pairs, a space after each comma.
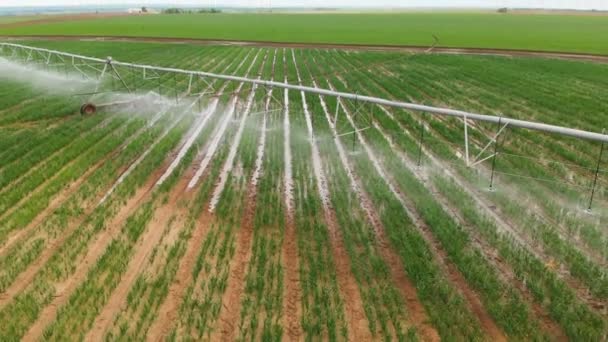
{"points": [[175, 10]]}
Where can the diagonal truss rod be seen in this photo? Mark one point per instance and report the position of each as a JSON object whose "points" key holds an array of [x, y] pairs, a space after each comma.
{"points": [[536, 126], [492, 141]]}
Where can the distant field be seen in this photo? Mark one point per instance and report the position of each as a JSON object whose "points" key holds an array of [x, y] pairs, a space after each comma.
{"points": [[568, 33], [15, 19]]}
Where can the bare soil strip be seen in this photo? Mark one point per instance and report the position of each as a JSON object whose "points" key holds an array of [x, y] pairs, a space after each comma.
{"points": [[60, 198], [168, 311], [361, 47], [355, 314], [147, 243], [216, 140], [416, 313], [228, 319], [229, 164], [487, 323], [292, 299], [65, 289], [231, 301], [55, 203], [169, 308]]}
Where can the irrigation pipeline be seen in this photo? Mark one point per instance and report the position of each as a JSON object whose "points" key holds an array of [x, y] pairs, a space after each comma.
{"points": [[537, 126]]}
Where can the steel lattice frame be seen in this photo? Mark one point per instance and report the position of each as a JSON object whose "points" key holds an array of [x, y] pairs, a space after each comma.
{"points": [[103, 67], [197, 84]]}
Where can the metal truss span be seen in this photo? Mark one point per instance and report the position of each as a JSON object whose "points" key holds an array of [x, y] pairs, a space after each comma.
{"points": [[26, 53]]}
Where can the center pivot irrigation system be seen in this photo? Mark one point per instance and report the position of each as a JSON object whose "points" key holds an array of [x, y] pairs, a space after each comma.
{"points": [[180, 84]]}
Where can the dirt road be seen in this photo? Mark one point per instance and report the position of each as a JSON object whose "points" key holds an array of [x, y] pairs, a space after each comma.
{"points": [[393, 48]]}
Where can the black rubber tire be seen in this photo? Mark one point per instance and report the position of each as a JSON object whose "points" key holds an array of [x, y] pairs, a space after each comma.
{"points": [[88, 109]]}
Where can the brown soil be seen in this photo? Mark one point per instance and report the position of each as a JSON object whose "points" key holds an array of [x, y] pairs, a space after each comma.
{"points": [[231, 302], [492, 255], [148, 242], [27, 276], [416, 311], [359, 47], [55, 203], [505, 272], [168, 311], [292, 298], [64, 290], [452, 272], [358, 329]]}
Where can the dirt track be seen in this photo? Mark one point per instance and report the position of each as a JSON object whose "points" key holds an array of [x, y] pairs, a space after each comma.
{"points": [[393, 48]]}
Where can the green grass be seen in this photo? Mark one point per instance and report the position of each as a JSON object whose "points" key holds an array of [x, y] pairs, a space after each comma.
{"points": [[571, 33]]}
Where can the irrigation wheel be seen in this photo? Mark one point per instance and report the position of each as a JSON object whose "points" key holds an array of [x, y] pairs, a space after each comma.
{"points": [[88, 109]]}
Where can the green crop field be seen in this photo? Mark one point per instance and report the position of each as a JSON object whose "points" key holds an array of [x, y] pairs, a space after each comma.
{"points": [[568, 33], [15, 19], [218, 210]]}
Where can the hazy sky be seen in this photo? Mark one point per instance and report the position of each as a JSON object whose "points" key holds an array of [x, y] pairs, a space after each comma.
{"points": [[578, 4]]}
